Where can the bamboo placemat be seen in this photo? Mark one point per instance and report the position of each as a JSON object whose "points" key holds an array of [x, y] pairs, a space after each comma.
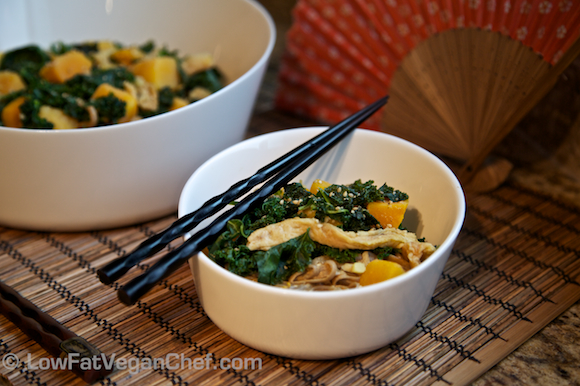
{"points": [[514, 268]]}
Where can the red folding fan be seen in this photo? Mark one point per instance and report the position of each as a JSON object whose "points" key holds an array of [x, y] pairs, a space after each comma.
{"points": [[460, 73]]}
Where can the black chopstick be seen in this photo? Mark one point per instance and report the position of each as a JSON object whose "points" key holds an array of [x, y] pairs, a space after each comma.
{"points": [[117, 268], [137, 287]]}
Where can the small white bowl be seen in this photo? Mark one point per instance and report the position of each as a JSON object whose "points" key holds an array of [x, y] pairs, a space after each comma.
{"points": [[88, 179], [326, 325]]}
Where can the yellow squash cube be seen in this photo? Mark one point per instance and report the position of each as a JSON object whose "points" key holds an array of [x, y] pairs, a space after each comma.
{"points": [[11, 113], [388, 213], [178, 103], [10, 81], [160, 71], [127, 56], [58, 118], [319, 184], [380, 270], [66, 66]]}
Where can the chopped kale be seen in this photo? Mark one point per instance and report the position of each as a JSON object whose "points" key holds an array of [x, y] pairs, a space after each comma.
{"points": [[339, 255], [164, 51], [237, 260], [147, 47], [116, 76], [272, 266], [342, 256], [277, 263], [392, 194], [164, 99], [110, 109], [83, 86], [30, 58], [210, 79], [234, 235], [56, 96], [30, 118], [346, 204], [383, 253], [60, 48], [272, 210]]}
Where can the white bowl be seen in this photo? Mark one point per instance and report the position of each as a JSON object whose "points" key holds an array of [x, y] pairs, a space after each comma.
{"points": [[326, 325], [75, 180]]}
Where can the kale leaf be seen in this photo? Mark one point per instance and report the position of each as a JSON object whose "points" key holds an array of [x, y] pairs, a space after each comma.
{"points": [[339, 255], [237, 260], [277, 263], [272, 266], [233, 236], [342, 256], [30, 58], [393, 194], [272, 210], [147, 47], [164, 100], [30, 118], [210, 79], [384, 253], [346, 204], [83, 86], [110, 109], [60, 48]]}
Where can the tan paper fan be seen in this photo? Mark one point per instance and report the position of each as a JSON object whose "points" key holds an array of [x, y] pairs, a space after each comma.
{"points": [[460, 73]]}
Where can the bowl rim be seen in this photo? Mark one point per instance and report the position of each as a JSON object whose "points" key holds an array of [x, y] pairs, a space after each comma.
{"points": [[259, 63], [408, 276]]}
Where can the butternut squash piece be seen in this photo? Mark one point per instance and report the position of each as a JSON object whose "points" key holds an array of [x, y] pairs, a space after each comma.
{"points": [[127, 56], [388, 213], [160, 71], [11, 113], [317, 185], [130, 102], [105, 45], [58, 118], [178, 103], [10, 81], [66, 66], [380, 270]]}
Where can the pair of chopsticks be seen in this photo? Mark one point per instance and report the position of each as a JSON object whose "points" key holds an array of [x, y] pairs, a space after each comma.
{"points": [[279, 173]]}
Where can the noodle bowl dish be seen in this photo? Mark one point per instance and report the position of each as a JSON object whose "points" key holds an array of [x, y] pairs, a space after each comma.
{"points": [[341, 261]]}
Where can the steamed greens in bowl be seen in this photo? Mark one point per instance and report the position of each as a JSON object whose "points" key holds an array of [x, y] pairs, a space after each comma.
{"points": [[99, 83]]}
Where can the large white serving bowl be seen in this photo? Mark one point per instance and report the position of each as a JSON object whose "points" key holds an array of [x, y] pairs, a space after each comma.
{"points": [[87, 179], [326, 325]]}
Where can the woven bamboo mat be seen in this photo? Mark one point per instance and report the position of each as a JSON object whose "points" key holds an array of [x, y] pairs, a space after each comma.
{"points": [[514, 268]]}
